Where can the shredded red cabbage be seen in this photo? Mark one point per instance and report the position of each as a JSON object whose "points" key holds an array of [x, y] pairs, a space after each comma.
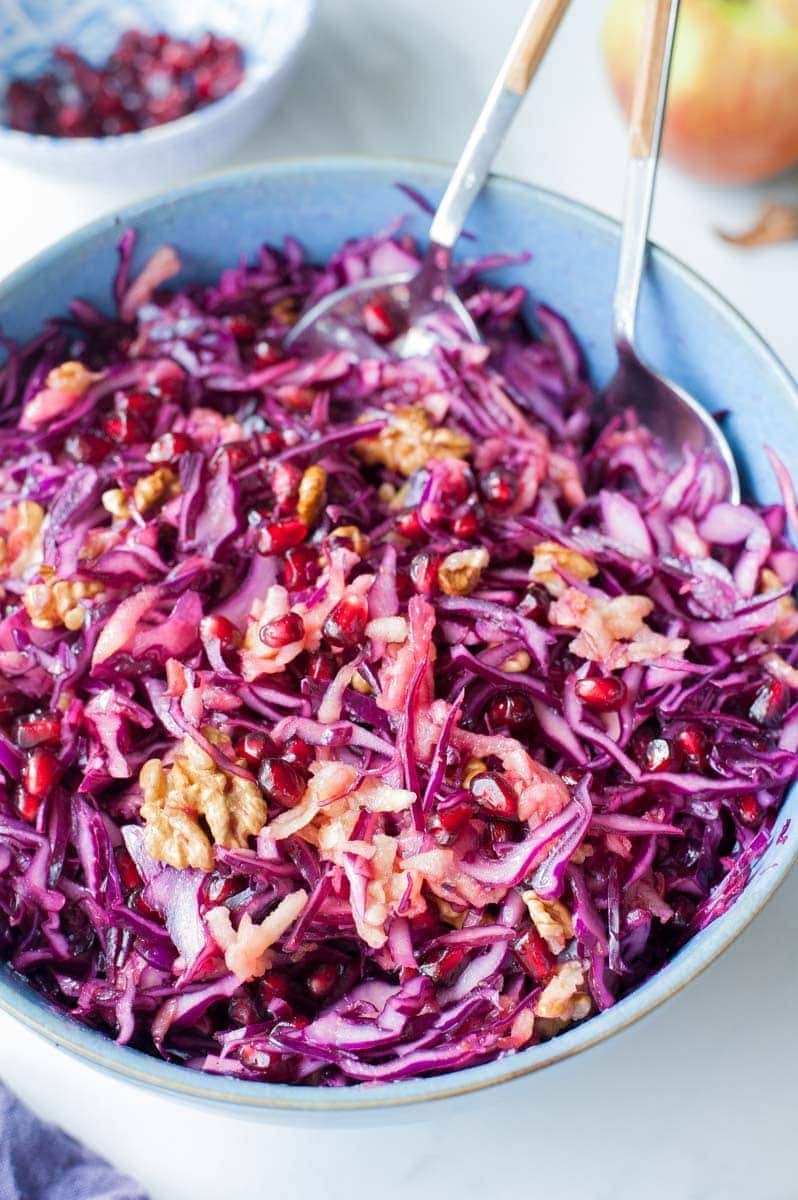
{"points": [[362, 720]]}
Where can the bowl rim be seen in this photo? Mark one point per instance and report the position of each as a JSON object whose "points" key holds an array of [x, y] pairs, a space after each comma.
{"points": [[258, 1099], [257, 73]]}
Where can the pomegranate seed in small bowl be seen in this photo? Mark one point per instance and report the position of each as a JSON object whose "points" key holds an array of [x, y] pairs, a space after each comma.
{"points": [[143, 105]]}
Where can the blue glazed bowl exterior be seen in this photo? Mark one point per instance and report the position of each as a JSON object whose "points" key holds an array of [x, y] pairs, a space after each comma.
{"points": [[686, 330], [269, 31]]}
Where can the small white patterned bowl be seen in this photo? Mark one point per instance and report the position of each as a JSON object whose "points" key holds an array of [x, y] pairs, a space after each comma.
{"points": [[269, 31]]}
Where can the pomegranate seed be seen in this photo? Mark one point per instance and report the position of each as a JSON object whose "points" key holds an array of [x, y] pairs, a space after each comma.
{"points": [[241, 1011], [281, 535], [127, 869], [430, 513], [138, 404], [144, 81], [282, 631], [534, 955], [238, 454], [378, 322], [171, 386], [34, 731], [424, 572], [285, 479], [87, 448], [453, 817], [254, 746], [269, 440], [10, 704], [322, 979], [219, 888], [605, 695], [500, 833], [296, 750], [749, 810], [511, 710], [41, 772], [300, 567], [572, 776], [221, 629], [694, 745], [408, 526], [321, 667], [242, 328], [494, 794], [683, 912], [296, 399], [282, 782], [443, 963], [498, 487], [655, 754], [266, 354], [465, 526], [254, 1057], [275, 984], [534, 604], [168, 448], [137, 902], [770, 703], [123, 429], [28, 806], [346, 624]]}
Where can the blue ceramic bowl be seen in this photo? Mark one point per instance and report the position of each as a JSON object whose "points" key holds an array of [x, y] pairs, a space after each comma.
{"points": [[270, 32], [686, 330]]}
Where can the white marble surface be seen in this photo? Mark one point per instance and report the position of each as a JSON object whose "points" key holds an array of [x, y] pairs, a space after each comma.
{"points": [[697, 1102]]}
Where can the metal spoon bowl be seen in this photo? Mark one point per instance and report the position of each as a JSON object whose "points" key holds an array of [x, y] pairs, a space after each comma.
{"points": [[673, 416], [424, 306]]}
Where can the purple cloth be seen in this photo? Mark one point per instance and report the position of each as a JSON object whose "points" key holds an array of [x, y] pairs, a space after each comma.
{"points": [[41, 1162]]}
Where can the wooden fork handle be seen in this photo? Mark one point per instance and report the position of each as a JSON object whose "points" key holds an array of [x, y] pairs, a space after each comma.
{"points": [[651, 63], [532, 44]]}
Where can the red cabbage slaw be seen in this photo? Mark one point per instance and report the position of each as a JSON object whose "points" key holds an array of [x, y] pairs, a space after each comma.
{"points": [[367, 719]]}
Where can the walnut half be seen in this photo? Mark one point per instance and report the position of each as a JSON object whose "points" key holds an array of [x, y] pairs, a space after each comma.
{"points": [[461, 571], [409, 440], [193, 798]]}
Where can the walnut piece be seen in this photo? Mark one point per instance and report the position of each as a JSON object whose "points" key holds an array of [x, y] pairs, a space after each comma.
{"points": [[473, 767], [155, 489], [356, 538], [548, 557], [409, 440], [520, 661], [115, 502], [286, 311], [193, 789], [564, 997], [57, 602], [551, 919], [460, 572], [72, 377], [20, 537], [310, 499]]}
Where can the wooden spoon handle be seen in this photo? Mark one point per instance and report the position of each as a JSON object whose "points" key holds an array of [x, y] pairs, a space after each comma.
{"points": [[523, 58], [533, 43], [648, 107], [648, 82]]}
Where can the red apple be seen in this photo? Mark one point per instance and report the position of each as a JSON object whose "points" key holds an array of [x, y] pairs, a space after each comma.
{"points": [[733, 96]]}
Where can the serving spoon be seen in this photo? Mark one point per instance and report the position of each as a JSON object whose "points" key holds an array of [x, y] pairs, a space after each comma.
{"points": [[673, 415], [419, 305]]}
